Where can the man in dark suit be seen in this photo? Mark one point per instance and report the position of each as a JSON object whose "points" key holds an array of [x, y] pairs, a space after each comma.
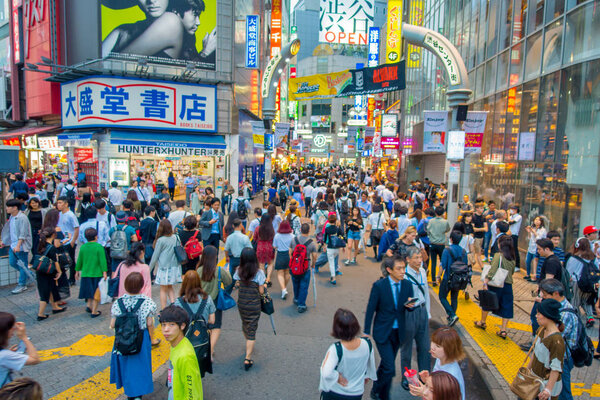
{"points": [[388, 302], [212, 223]]}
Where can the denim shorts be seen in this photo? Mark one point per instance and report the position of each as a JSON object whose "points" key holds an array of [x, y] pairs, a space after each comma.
{"points": [[354, 235]]}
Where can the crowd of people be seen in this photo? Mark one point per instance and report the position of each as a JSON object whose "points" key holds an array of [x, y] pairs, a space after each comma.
{"points": [[309, 219]]}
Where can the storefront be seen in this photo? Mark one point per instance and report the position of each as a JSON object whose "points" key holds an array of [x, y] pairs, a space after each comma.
{"points": [[82, 152], [54, 158]]}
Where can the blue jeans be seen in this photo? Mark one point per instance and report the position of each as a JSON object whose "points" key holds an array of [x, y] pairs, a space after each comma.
{"points": [[566, 394], [226, 204], [301, 284], [486, 243], [188, 193], [451, 307], [534, 324], [19, 262], [528, 261]]}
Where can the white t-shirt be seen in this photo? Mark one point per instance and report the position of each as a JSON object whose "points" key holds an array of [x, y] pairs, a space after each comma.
{"points": [[10, 362], [387, 195], [376, 220], [515, 228], [177, 216], [115, 196], [282, 241], [466, 242], [355, 366], [308, 190], [453, 369], [253, 225], [533, 238]]}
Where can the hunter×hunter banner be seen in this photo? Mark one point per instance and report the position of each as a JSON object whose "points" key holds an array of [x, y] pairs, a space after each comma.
{"points": [[434, 131], [356, 82], [163, 30], [393, 40]]}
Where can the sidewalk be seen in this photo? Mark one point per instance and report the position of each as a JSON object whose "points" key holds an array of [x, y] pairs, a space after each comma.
{"points": [[504, 357]]}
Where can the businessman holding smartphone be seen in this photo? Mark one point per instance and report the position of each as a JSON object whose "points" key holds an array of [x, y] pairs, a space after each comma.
{"points": [[389, 302]]}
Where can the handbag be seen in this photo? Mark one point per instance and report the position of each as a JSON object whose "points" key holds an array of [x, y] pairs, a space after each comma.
{"points": [[488, 300], [113, 283], [64, 258], [337, 242], [266, 303], [526, 385], [180, 253], [498, 278], [377, 233], [224, 299], [43, 264]]}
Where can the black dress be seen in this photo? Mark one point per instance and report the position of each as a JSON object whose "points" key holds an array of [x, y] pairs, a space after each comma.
{"points": [[46, 283], [36, 220]]}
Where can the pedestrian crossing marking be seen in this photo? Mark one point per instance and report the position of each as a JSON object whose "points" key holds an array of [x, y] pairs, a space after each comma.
{"points": [[89, 345]]}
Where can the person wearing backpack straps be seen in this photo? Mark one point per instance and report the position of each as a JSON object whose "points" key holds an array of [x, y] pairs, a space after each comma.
{"points": [[451, 254], [190, 234], [585, 288], [243, 208], [201, 311], [131, 359], [235, 243], [308, 252], [349, 363], [121, 238]]}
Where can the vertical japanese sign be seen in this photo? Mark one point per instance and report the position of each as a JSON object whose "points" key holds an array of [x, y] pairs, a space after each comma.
{"points": [[415, 17], [434, 131], [345, 21], [133, 103], [16, 32], [252, 41], [373, 47], [474, 127], [275, 27], [393, 44]]}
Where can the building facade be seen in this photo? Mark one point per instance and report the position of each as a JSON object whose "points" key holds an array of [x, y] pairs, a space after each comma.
{"points": [[534, 67]]}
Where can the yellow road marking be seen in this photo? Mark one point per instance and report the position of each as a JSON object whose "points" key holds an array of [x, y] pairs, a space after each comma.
{"points": [[89, 345], [506, 355]]}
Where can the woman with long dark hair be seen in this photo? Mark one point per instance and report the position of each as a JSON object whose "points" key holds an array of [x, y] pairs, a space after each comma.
{"points": [[133, 197], [36, 215], [355, 226], [86, 202], [582, 254], [12, 361], [275, 218], [251, 281], [190, 225], [48, 284], [228, 228], [171, 185], [209, 275], [504, 259], [169, 269], [60, 242], [264, 236]]}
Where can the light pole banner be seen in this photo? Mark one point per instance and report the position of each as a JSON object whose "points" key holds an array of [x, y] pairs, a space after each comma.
{"points": [[393, 43], [474, 128], [434, 131]]}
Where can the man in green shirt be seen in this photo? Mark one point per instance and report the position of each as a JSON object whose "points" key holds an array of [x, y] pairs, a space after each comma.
{"points": [[436, 231], [184, 379]]}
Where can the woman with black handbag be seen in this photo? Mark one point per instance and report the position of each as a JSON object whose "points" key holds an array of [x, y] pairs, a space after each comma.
{"points": [[47, 283], [251, 284], [333, 237], [65, 261], [375, 227]]}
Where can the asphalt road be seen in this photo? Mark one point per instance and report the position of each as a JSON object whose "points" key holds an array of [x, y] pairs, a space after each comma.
{"points": [[287, 364]]}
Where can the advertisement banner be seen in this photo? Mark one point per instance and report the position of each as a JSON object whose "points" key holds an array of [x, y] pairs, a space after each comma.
{"points": [[415, 17], [456, 145], [275, 27], [369, 134], [393, 42], [526, 146], [259, 141], [252, 30], [134, 103], [389, 125], [474, 128], [318, 86], [390, 143], [434, 131], [161, 30], [345, 21], [282, 130]]}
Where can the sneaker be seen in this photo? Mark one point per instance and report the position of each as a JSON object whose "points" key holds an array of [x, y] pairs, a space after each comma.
{"points": [[295, 301], [452, 321], [19, 289], [332, 281], [338, 272], [517, 269], [347, 262], [284, 294], [301, 309]]}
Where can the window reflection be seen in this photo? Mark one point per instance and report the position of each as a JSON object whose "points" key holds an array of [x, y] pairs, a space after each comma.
{"points": [[582, 32]]}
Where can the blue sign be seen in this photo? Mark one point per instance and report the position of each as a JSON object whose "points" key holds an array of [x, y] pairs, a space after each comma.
{"points": [[373, 47], [251, 41], [268, 142]]}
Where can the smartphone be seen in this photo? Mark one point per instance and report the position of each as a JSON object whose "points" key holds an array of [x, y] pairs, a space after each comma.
{"points": [[410, 301], [21, 347]]}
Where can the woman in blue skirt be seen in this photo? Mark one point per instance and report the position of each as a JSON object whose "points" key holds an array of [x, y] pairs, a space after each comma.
{"points": [[134, 372], [297, 193]]}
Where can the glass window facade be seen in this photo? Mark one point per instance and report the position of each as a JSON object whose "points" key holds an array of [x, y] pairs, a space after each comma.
{"points": [[533, 66]]}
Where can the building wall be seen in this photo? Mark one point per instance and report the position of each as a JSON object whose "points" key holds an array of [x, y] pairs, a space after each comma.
{"points": [[534, 69]]}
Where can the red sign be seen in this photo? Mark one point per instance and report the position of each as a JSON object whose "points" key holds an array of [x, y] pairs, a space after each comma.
{"points": [[11, 142], [16, 33], [390, 142], [275, 27], [370, 110], [84, 155], [473, 140]]}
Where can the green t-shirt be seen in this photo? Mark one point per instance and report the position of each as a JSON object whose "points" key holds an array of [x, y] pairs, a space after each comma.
{"points": [[91, 260], [186, 380]]}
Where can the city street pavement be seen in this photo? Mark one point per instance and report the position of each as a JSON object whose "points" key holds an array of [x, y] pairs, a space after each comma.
{"points": [[77, 355]]}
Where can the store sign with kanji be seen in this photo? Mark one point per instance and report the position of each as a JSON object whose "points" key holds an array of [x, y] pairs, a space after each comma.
{"points": [[134, 103], [434, 43], [345, 21]]}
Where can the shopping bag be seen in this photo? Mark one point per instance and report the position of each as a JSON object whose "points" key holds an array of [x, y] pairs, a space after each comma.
{"points": [[103, 287]]}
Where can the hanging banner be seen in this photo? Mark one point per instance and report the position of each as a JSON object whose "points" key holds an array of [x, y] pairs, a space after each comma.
{"points": [[393, 43], [434, 131], [415, 17], [282, 130], [258, 134], [369, 135], [456, 145], [252, 30], [474, 127], [389, 125], [318, 86]]}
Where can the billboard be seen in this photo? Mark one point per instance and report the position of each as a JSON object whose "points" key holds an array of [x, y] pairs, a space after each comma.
{"points": [[434, 131], [134, 103], [389, 125], [163, 30], [345, 21], [393, 42]]}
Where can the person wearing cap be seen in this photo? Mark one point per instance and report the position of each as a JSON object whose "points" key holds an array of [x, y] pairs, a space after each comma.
{"points": [[129, 233], [549, 349], [591, 233]]}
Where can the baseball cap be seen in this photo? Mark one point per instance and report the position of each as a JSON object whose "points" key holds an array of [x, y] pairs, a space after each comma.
{"points": [[589, 229], [121, 216]]}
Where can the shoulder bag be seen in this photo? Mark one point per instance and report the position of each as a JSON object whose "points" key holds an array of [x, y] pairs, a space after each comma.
{"points": [[224, 299], [266, 303], [498, 278], [113, 283], [526, 384], [180, 253], [43, 264]]}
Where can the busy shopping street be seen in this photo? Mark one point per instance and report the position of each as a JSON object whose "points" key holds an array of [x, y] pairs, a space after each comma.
{"points": [[299, 199]]}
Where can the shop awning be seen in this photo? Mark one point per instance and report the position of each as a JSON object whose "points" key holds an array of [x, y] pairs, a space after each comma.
{"points": [[75, 139], [168, 144], [28, 131]]}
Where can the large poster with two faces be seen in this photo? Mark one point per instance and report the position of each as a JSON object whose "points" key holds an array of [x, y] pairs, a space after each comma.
{"points": [[161, 29]]}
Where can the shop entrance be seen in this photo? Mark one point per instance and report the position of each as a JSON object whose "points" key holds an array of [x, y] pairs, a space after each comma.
{"points": [[91, 174]]}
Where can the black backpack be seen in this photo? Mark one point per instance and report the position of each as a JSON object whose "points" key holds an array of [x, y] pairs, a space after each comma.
{"points": [[110, 207], [460, 273], [128, 334], [344, 207], [583, 352], [590, 276], [242, 210], [70, 194], [197, 334], [340, 351]]}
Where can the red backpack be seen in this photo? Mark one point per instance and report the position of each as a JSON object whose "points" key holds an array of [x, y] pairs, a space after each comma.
{"points": [[299, 260], [193, 248]]}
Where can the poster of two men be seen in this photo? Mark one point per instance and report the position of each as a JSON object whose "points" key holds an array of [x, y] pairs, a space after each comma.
{"points": [[166, 29]]}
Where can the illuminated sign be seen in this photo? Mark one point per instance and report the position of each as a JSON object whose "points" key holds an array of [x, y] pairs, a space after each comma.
{"points": [[275, 27], [433, 42], [33, 13], [345, 21], [319, 140], [393, 43], [389, 125], [252, 30], [415, 17], [16, 33], [373, 47]]}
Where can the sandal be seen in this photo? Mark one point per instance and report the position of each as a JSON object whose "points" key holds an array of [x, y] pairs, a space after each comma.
{"points": [[480, 325], [501, 334], [248, 364], [597, 356]]}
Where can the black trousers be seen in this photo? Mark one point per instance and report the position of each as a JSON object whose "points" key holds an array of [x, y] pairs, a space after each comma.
{"points": [[213, 240], [515, 239], [71, 250], [387, 366], [435, 250], [308, 206]]}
